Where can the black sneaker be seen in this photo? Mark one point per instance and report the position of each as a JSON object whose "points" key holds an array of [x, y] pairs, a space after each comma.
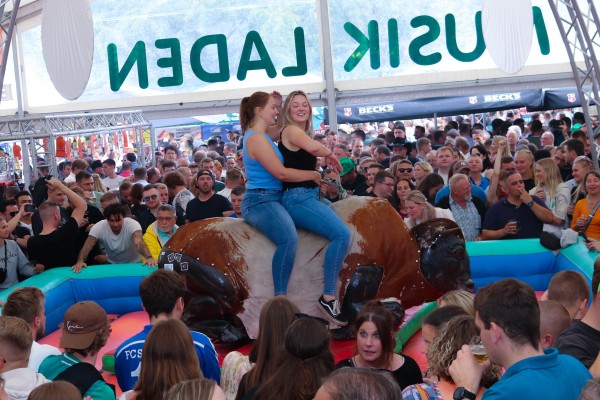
{"points": [[331, 310]]}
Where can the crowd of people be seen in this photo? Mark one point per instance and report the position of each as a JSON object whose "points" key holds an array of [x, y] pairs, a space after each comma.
{"points": [[514, 181]]}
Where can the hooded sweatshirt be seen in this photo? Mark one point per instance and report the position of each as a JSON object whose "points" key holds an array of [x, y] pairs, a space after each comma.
{"points": [[19, 382]]}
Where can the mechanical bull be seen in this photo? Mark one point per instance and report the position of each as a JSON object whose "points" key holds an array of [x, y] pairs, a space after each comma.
{"points": [[227, 266]]}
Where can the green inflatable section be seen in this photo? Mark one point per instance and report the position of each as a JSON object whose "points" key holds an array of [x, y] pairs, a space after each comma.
{"points": [[413, 325], [505, 247]]}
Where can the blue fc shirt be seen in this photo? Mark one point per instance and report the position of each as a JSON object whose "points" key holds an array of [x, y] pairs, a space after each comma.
{"points": [[128, 358]]}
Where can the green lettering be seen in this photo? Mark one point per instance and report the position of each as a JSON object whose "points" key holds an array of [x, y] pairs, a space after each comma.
{"points": [[394, 43], [414, 49], [301, 67], [222, 75], [365, 43], [173, 62], [253, 39], [541, 31], [452, 43], [137, 55]]}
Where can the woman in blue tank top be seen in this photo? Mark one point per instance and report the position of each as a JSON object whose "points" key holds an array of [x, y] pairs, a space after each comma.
{"points": [[261, 206], [301, 199]]}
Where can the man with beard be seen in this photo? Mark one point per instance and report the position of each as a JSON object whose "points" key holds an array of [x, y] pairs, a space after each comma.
{"points": [[208, 204], [121, 238], [27, 303]]}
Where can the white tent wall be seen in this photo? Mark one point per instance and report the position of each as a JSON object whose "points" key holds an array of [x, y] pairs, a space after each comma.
{"points": [[395, 73]]}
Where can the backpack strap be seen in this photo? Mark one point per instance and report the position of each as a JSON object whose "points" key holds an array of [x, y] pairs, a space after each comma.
{"points": [[83, 375]]}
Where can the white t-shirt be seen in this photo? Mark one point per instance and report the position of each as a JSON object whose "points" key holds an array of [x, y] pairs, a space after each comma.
{"points": [[39, 352], [226, 193], [119, 248], [113, 184]]}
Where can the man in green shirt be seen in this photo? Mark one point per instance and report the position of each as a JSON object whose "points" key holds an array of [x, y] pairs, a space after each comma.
{"points": [[85, 330]]}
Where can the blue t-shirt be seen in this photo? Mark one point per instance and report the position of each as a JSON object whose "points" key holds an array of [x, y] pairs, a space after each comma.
{"points": [[257, 175], [551, 376], [475, 191], [128, 358]]}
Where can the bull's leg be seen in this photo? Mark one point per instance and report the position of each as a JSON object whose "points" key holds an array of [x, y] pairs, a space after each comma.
{"points": [[209, 300], [362, 288]]}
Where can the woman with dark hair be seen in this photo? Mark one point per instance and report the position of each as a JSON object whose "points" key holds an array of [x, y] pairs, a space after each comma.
{"points": [[261, 206], [398, 200], [375, 344], [169, 358], [240, 373], [480, 151], [430, 185], [305, 362], [138, 207], [442, 351]]}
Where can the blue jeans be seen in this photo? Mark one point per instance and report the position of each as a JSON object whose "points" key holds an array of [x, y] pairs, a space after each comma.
{"points": [[310, 214], [262, 209]]}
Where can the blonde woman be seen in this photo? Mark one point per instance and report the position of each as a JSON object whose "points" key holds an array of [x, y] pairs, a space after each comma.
{"points": [[419, 210], [422, 169], [550, 188], [99, 186]]}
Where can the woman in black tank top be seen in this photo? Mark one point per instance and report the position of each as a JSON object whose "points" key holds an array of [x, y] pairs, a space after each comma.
{"points": [[301, 199]]}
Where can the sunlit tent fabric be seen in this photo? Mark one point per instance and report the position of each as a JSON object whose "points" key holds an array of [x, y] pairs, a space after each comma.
{"points": [[507, 27], [452, 105], [68, 45]]}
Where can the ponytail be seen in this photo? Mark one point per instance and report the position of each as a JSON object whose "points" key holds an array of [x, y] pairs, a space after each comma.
{"points": [[247, 106]]}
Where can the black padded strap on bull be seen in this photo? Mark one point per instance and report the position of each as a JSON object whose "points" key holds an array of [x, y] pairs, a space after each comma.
{"points": [[83, 375]]}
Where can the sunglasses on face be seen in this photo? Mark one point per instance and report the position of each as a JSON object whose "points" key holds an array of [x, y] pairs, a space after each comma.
{"points": [[153, 197], [403, 170]]}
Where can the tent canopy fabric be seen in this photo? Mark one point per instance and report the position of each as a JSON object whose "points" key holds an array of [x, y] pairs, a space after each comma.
{"points": [[440, 106]]}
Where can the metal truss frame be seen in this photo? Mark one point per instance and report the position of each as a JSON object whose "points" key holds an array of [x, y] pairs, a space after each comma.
{"points": [[48, 127]]}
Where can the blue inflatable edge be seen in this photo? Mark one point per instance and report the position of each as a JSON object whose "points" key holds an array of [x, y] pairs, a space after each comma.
{"points": [[114, 287]]}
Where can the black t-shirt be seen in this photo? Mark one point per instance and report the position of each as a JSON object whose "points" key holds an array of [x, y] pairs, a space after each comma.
{"points": [[360, 179], [93, 215], [146, 219], [580, 341], [55, 249], [213, 207], [408, 374], [36, 221]]}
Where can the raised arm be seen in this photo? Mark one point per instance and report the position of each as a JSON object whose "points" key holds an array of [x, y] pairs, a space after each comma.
{"points": [[77, 203]]}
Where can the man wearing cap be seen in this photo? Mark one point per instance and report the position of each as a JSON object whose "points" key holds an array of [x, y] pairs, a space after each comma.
{"points": [[207, 204], [162, 295], [85, 330], [399, 130], [97, 168], [351, 179], [461, 167]]}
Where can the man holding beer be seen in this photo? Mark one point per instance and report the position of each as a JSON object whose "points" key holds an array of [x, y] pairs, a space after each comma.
{"points": [[508, 316]]}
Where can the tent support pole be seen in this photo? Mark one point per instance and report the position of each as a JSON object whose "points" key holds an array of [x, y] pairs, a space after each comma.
{"points": [[328, 63]]}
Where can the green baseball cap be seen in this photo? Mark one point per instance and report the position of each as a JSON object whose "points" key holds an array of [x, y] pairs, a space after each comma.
{"points": [[347, 165]]}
